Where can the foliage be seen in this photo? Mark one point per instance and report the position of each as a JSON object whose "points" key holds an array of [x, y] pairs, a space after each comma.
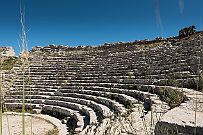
{"points": [[172, 96], [195, 84], [8, 63], [52, 132], [187, 31]]}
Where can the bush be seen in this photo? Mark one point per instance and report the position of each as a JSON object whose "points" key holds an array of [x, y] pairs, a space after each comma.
{"points": [[172, 96], [8, 63], [187, 31], [192, 84], [128, 104]]}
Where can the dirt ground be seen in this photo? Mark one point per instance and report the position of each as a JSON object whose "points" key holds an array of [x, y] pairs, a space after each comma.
{"points": [[39, 126]]}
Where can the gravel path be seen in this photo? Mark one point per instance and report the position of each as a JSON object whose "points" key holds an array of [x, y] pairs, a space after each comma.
{"points": [[39, 126]]}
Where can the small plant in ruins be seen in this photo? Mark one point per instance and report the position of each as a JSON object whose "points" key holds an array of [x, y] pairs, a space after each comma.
{"points": [[200, 82], [192, 84], [53, 132], [176, 98], [172, 96], [8, 63], [128, 104]]}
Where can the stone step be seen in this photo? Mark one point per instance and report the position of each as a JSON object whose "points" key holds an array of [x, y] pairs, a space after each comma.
{"points": [[67, 112], [14, 106], [121, 98], [82, 108], [104, 110], [105, 101]]}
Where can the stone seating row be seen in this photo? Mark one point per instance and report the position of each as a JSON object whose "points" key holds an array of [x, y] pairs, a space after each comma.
{"points": [[61, 107]]}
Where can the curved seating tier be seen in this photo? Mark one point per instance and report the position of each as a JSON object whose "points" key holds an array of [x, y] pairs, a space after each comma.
{"points": [[98, 83]]}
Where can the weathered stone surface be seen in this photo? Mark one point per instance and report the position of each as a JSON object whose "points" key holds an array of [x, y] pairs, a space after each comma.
{"points": [[109, 83], [180, 121], [7, 51]]}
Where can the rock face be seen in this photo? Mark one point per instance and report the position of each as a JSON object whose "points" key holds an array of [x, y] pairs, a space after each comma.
{"points": [[114, 89]]}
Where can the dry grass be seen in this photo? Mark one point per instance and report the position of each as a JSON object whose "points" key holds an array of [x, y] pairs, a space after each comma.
{"points": [[52, 132]]}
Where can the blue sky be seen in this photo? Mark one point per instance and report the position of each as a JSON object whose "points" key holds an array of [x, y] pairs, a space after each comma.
{"points": [[93, 22]]}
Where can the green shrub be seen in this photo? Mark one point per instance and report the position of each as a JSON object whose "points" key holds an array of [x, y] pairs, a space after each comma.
{"points": [[8, 63], [172, 96], [128, 104], [196, 85]]}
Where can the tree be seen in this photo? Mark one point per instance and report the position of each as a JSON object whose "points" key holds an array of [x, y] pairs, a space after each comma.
{"points": [[187, 31]]}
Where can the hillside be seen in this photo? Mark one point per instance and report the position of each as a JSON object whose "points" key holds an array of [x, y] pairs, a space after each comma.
{"points": [[155, 88]]}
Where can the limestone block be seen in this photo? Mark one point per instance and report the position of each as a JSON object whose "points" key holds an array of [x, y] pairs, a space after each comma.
{"points": [[180, 121]]}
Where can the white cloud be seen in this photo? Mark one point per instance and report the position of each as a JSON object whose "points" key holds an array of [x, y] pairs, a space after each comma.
{"points": [[158, 15], [181, 6]]}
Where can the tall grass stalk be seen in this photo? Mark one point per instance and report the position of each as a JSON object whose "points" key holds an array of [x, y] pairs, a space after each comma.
{"points": [[24, 58], [1, 107], [30, 84], [23, 106], [198, 79], [8, 126]]}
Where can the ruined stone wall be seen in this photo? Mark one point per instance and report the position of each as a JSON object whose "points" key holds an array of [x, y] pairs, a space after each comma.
{"points": [[7, 51]]}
